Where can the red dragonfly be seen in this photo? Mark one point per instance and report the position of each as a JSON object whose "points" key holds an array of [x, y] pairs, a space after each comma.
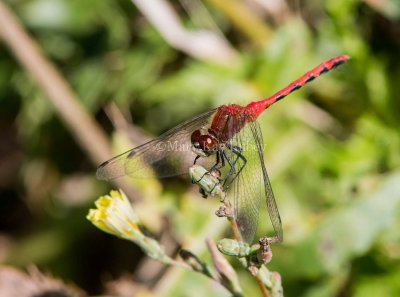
{"points": [[228, 139]]}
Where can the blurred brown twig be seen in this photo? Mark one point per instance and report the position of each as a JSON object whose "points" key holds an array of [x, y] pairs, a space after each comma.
{"points": [[89, 135]]}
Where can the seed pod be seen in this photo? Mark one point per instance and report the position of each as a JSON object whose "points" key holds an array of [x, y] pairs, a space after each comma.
{"points": [[208, 182], [233, 247]]}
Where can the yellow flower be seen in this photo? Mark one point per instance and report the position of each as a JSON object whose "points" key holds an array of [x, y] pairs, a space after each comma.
{"points": [[114, 214]]}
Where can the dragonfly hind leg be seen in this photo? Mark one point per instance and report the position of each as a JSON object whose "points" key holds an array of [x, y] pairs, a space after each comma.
{"points": [[233, 174], [221, 158]]}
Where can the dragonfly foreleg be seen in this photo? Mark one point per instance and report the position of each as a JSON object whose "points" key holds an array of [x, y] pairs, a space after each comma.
{"points": [[195, 159], [218, 160], [219, 163]]}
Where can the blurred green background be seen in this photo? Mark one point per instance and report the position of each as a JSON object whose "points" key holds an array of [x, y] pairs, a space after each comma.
{"points": [[332, 149]]}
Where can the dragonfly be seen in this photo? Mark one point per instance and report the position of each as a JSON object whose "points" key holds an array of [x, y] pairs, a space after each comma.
{"points": [[227, 139]]}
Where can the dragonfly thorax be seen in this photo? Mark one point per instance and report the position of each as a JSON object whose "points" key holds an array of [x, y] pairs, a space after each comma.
{"points": [[204, 143]]}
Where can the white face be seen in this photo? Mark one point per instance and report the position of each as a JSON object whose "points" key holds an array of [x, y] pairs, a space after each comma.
{"points": [[198, 151]]}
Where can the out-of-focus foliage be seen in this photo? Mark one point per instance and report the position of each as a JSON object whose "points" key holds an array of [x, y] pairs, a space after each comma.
{"points": [[332, 149]]}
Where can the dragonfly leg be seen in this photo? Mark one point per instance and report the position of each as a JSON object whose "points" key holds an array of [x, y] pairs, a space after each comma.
{"points": [[219, 163], [219, 159], [231, 165], [214, 167], [195, 159], [232, 174], [237, 149]]}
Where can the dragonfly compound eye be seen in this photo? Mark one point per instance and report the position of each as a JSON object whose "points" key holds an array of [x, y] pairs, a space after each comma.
{"points": [[208, 143], [195, 136], [197, 147], [203, 145]]}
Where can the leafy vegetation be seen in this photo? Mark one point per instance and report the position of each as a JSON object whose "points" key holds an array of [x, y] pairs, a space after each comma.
{"points": [[332, 149]]}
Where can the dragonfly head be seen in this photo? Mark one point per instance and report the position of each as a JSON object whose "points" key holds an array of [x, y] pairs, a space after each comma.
{"points": [[203, 145]]}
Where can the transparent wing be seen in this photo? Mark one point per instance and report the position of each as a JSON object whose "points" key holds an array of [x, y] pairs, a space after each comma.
{"points": [[168, 155], [247, 192], [252, 184], [272, 207]]}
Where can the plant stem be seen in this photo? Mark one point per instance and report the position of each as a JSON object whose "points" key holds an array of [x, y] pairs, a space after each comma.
{"points": [[262, 287], [245, 263], [81, 124], [89, 135], [177, 263], [235, 229], [214, 277]]}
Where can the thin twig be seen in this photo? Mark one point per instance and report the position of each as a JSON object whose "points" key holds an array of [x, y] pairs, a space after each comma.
{"points": [[173, 275], [178, 264], [262, 287], [236, 233], [91, 138], [213, 276], [232, 221], [135, 135], [227, 275], [235, 229]]}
